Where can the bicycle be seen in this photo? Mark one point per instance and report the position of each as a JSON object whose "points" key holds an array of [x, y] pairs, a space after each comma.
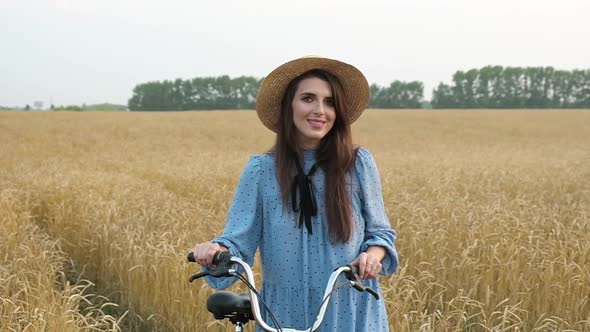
{"points": [[240, 308]]}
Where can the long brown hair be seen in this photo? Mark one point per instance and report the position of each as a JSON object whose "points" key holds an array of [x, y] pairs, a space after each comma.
{"points": [[335, 155]]}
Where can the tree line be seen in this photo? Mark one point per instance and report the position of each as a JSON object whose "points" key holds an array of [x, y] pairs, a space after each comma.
{"points": [[488, 87], [201, 93], [38, 106], [223, 92], [515, 87]]}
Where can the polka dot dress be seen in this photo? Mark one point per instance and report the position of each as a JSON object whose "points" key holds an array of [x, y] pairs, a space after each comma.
{"points": [[296, 265]]}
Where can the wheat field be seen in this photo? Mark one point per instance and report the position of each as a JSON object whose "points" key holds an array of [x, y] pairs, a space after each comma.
{"points": [[98, 210]]}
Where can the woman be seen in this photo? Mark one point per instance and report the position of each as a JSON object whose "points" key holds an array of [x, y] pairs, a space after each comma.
{"points": [[313, 203]]}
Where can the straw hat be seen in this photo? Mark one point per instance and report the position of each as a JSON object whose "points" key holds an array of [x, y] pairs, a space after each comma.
{"points": [[272, 89]]}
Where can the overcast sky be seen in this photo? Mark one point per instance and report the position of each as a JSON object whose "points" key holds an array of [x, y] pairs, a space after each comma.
{"points": [[94, 51]]}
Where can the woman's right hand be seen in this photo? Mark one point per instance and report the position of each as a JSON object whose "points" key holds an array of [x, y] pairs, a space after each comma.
{"points": [[204, 252]]}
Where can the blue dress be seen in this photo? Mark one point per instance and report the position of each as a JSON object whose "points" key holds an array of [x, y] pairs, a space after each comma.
{"points": [[296, 265]]}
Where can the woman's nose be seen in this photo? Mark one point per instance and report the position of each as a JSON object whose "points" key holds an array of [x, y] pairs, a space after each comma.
{"points": [[319, 109]]}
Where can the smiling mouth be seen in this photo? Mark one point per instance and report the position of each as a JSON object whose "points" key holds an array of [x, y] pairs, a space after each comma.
{"points": [[316, 124]]}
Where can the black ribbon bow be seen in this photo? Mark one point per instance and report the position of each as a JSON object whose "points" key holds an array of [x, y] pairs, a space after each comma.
{"points": [[307, 205]]}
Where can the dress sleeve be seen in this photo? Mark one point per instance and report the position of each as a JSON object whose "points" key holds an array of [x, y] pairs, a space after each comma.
{"points": [[378, 231], [243, 227]]}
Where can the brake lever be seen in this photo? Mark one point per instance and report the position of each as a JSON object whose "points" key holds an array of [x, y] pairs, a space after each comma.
{"points": [[356, 282], [198, 275], [222, 269], [372, 292]]}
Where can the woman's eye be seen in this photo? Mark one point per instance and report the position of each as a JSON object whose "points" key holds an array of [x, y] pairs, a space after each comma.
{"points": [[307, 99], [330, 102]]}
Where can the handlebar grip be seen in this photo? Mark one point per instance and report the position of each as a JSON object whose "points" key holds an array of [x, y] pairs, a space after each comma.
{"points": [[221, 256], [191, 257]]}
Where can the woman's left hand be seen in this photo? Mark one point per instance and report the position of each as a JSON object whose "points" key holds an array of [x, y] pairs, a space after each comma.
{"points": [[369, 265]]}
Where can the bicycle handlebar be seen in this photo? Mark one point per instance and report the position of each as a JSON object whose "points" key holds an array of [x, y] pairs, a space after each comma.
{"points": [[191, 257], [218, 257], [223, 262]]}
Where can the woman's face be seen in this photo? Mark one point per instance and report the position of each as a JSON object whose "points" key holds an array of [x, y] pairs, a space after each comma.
{"points": [[313, 111]]}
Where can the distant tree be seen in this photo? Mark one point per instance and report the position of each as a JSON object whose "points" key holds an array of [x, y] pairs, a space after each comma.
{"points": [[442, 97], [374, 90], [581, 91], [27, 107], [398, 95]]}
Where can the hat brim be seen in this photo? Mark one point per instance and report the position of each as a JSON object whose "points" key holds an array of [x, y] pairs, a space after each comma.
{"points": [[272, 88]]}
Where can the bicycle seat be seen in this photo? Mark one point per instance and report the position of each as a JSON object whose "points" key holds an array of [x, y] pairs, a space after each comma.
{"points": [[225, 304]]}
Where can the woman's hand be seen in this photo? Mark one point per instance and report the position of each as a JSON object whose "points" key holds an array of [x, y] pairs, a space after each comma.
{"points": [[204, 252], [369, 262]]}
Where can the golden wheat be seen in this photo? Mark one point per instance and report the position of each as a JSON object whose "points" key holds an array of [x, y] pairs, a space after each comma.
{"points": [[34, 292], [491, 207]]}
